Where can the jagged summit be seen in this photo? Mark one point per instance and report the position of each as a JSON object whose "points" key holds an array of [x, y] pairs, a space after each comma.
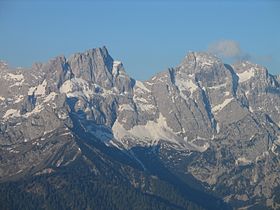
{"points": [[99, 51], [195, 61]]}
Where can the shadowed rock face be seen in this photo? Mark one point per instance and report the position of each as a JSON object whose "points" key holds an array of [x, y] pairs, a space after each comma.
{"points": [[216, 122], [94, 66]]}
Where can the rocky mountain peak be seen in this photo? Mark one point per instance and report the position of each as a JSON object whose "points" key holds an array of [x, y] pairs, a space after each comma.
{"points": [[57, 70], [243, 66], [204, 69], [197, 61], [94, 66], [227, 117], [248, 71]]}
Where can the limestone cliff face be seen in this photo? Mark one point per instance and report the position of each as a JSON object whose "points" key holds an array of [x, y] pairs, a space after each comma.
{"points": [[222, 121]]}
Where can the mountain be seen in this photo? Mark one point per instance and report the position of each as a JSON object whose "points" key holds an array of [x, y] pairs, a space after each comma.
{"points": [[79, 133]]}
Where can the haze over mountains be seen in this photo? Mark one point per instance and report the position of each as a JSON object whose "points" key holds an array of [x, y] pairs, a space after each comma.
{"points": [[205, 132]]}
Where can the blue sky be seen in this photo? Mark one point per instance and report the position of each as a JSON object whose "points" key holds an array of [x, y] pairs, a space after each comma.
{"points": [[147, 36]]}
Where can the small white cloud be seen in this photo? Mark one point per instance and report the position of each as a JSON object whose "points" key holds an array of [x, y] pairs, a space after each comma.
{"points": [[231, 51], [226, 49]]}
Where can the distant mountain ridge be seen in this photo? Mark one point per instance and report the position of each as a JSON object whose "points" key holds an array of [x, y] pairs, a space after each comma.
{"points": [[214, 126]]}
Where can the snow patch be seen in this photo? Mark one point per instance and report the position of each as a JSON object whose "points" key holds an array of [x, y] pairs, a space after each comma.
{"points": [[19, 99], [114, 144], [66, 134], [191, 86], [201, 147], [149, 83], [116, 64], [31, 91], [50, 97], [205, 60], [246, 75], [227, 93], [76, 87], [17, 84], [140, 85], [219, 107], [41, 89], [37, 109], [218, 128], [251, 109], [11, 113], [242, 161], [143, 103], [146, 107], [126, 107], [218, 86], [153, 130], [17, 77], [186, 85], [140, 99]]}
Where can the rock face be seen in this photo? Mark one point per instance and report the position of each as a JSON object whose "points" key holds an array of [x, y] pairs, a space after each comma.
{"points": [[216, 122]]}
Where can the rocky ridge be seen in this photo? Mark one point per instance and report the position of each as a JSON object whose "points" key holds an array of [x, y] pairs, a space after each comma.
{"points": [[216, 122]]}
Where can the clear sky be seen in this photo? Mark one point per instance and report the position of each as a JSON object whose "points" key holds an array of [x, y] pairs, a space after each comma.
{"points": [[147, 36]]}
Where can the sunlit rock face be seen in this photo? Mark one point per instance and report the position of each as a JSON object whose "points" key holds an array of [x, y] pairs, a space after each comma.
{"points": [[216, 122]]}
